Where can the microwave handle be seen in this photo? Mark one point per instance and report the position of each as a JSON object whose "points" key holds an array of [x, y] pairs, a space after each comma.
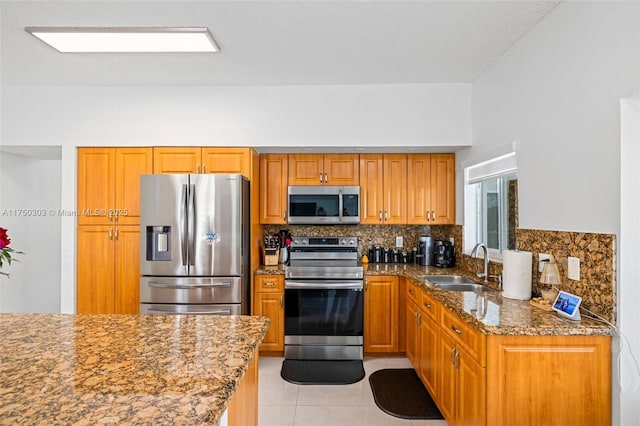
{"points": [[340, 205]]}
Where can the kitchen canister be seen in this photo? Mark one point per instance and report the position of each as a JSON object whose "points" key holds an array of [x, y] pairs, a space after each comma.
{"points": [[516, 274]]}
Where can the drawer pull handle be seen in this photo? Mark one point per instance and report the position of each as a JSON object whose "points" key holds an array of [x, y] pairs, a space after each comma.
{"points": [[456, 329], [412, 291], [428, 305], [270, 284], [282, 301]]}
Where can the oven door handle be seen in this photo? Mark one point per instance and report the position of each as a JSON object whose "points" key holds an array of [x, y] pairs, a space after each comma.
{"points": [[323, 285]]}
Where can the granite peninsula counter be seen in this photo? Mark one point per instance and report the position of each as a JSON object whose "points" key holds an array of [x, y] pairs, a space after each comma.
{"points": [[501, 316], [123, 369]]}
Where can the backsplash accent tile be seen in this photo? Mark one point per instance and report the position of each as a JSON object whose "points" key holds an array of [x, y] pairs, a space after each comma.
{"points": [[384, 235], [597, 254]]}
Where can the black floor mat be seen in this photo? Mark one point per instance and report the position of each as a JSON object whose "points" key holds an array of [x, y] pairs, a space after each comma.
{"points": [[400, 392], [312, 372]]}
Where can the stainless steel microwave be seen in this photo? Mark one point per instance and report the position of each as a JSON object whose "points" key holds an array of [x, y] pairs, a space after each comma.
{"points": [[324, 205]]}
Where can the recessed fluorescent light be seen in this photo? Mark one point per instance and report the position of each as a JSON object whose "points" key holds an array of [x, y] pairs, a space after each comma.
{"points": [[118, 40]]}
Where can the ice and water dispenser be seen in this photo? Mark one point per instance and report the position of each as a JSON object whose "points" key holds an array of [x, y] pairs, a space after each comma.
{"points": [[158, 243]]}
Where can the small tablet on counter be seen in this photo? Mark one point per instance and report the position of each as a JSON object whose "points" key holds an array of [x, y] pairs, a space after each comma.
{"points": [[567, 305]]}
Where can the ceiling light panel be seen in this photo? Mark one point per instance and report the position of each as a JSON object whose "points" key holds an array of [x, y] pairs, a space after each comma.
{"points": [[123, 40]]}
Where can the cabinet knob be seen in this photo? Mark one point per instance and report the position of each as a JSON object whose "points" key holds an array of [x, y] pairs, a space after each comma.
{"points": [[456, 329], [433, 215], [320, 177], [197, 168], [426, 214], [380, 216], [428, 305]]}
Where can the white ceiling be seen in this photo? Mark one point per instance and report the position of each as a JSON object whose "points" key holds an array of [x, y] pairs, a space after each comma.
{"points": [[273, 42]]}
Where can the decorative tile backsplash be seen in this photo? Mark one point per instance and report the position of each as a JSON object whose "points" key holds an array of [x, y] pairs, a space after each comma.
{"points": [[596, 252]]}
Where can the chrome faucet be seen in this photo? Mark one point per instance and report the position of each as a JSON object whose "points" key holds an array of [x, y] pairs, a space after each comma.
{"points": [[474, 253]]}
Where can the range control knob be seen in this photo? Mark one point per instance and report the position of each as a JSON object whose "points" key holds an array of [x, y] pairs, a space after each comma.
{"points": [[352, 242]]}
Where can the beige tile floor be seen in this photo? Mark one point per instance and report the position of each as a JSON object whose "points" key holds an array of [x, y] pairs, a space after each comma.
{"points": [[284, 404]]}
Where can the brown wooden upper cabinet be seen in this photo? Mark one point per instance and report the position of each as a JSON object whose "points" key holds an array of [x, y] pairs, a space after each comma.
{"points": [[383, 189], [323, 169], [109, 184], [431, 189], [202, 160], [273, 189]]}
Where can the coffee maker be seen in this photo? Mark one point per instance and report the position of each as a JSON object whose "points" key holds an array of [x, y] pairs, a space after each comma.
{"points": [[425, 251], [444, 254]]}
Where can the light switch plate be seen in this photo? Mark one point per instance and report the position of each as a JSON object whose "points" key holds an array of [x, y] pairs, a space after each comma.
{"points": [[573, 268], [399, 241]]}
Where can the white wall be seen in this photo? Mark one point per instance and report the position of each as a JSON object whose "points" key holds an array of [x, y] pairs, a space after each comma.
{"points": [[32, 186], [557, 92], [414, 115]]}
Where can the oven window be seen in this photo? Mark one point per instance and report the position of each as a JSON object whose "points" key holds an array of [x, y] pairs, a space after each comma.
{"points": [[323, 312], [314, 205]]}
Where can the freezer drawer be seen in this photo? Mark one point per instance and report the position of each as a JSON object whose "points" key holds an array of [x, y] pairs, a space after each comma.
{"points": [[167, 308], [181, 290]]}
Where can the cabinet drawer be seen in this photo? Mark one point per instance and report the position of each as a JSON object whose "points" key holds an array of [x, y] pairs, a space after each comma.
{"points": [[429, 306], [269, 284], [413, 292], [471, 339]]}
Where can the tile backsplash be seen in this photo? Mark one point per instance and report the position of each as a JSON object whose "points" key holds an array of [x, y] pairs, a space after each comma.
{"points": [[596, 252]]}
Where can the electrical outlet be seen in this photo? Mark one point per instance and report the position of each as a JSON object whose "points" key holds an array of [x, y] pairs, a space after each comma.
{"points": [[399, 241], [541, 258], [573, 268]]}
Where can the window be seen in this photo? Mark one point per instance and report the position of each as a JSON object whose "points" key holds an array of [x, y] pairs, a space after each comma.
{"points": [[491, 205]]}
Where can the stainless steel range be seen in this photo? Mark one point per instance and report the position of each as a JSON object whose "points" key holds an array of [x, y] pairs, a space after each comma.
{"points": [[324, 300]]}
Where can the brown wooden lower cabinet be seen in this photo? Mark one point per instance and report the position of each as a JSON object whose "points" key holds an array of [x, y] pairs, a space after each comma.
{"points": [[478, 379], [381, 314], [549, 380], [243, 407], [268, 301]]}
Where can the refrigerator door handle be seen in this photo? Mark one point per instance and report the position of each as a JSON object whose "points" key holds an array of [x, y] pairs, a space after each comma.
{"points": [[183, 225], [191, 210], [226, 284]]}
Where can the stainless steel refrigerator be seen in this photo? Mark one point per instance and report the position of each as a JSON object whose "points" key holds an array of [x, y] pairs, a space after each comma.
{"points": [[194, 244]]}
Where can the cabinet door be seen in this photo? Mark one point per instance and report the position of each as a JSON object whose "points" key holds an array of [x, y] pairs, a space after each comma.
{"points": [[96, 192], [273, 189], [341, 169], [418, 189], [395, 189], [562, 372], [371, 189], [176, 160], [130, 163], [226, 160], [381, 314], [95, 270], [471, 395], [271, 305], [443, 191], [429, 341], [413, 335], [306, 169], [447, 378], [127, 269]]}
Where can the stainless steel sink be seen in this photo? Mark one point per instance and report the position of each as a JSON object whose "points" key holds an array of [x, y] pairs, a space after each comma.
{"points": [[476, 288], [456, 283], [447, 279]]}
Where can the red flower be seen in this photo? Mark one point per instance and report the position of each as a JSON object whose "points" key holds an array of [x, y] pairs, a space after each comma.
{"points": [[4, 239]]}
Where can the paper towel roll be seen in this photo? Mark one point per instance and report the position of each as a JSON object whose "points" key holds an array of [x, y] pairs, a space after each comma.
{"points": [[516, 274]]}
